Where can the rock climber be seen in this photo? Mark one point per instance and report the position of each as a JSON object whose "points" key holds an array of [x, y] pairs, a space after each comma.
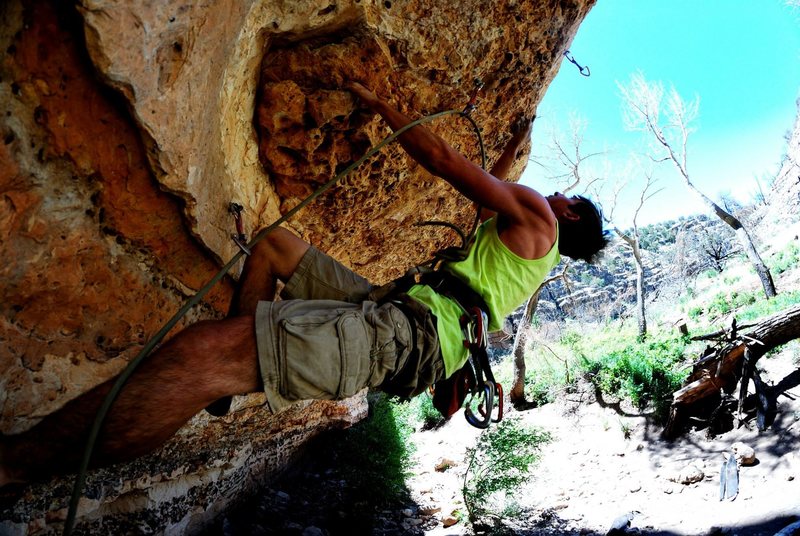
{"points": [[326, 338]]}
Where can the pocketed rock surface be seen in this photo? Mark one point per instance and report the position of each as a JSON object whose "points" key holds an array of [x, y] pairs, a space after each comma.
{"points": [[128, 128]]}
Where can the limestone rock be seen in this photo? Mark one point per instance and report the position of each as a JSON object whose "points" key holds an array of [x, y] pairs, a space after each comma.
{"points": [[744, 454], [784, 196], [449, 521], [688, 475], [206, 469]]}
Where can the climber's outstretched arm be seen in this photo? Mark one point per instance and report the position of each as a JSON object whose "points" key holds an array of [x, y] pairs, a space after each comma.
{"points": [[526, 222], [511, 200], [520, 131]]}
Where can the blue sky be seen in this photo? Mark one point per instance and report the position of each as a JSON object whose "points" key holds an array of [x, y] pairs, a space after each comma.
{"points": [[741, 57]]}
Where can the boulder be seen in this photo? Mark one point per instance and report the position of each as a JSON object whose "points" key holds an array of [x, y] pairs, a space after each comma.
{"points": [[131, 126]]}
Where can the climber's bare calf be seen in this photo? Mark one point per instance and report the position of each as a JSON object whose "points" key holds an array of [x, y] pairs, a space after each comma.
{"points": [[202, 363]]}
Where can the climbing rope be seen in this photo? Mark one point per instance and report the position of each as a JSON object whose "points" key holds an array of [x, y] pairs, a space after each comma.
{"points": [[102, 412]]}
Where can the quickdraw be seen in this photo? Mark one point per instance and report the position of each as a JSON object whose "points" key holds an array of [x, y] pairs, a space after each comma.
{"points": [[472, 103], [485, 390], [583, 69], [239, 237]]}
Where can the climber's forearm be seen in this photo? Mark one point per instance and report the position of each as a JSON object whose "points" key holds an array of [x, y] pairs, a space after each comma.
{"points": [[520, 132], [439, 158]]}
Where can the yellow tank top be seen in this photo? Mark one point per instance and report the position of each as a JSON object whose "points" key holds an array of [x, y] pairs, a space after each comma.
{"points": [[502, 278]]}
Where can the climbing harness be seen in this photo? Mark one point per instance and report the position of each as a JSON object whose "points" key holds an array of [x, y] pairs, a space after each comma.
{"points": [[475, 379], [244, 249], [583, 69]]}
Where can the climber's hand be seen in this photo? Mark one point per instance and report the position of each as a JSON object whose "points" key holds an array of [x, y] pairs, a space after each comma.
{"points": [[365, 95], [521, 127]]}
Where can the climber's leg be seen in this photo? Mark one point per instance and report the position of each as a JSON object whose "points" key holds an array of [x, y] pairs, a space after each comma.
{"points": [[276, 256], [204, 362], [308, 274]]}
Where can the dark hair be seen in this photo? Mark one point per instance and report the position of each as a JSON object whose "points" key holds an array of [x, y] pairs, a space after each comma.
{"points": [[582, 239]]}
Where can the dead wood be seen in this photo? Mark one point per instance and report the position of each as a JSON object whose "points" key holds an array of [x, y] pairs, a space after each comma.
{"points": [[721, 369]]}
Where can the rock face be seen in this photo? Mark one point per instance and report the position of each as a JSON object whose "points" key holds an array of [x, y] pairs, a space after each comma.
{"points": [[784, 195], [197, 75], [131, 126]]}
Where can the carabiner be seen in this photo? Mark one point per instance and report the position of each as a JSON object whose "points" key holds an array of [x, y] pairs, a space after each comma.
{"points": [[239, 238], [488, 392], [471, 105], [499, 392], [584, 70]]}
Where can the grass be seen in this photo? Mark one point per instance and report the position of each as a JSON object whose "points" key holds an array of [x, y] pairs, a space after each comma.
{"points": [[721, 304], [783, 260], [763, 308]]}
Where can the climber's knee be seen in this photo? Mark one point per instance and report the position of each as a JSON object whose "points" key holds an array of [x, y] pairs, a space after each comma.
{"points": [[279, 253]]}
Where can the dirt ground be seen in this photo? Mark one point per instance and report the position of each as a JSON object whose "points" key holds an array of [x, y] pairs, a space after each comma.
{"points": [[605, 461], [591, 473]]}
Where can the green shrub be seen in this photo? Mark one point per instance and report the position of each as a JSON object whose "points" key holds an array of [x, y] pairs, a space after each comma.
{"points": [[722, 303], [544, 380], [709, 273], [642, 372], [784, 259], [695, 312], [730, 280], [423, 414], [498, 463], [539, 390], [571, 339]]}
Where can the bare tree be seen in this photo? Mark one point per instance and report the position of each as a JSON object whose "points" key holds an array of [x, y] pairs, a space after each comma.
{"points": [[632, 239], [643, 102], [517, 392], [569, 157], [701, 244], [570, 162], [715, 248]]}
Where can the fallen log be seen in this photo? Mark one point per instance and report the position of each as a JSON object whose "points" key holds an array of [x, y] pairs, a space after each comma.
{"points": [[723, 370]]}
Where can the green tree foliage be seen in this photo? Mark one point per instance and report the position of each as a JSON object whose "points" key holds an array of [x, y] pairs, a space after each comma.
{"points": [[656, 235]]}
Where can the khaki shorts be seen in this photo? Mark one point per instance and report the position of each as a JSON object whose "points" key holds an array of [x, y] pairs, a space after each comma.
{"points": [[325, 340]]}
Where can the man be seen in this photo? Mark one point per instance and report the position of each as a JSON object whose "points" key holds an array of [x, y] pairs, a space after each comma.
{"points": [[326, 339]]}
